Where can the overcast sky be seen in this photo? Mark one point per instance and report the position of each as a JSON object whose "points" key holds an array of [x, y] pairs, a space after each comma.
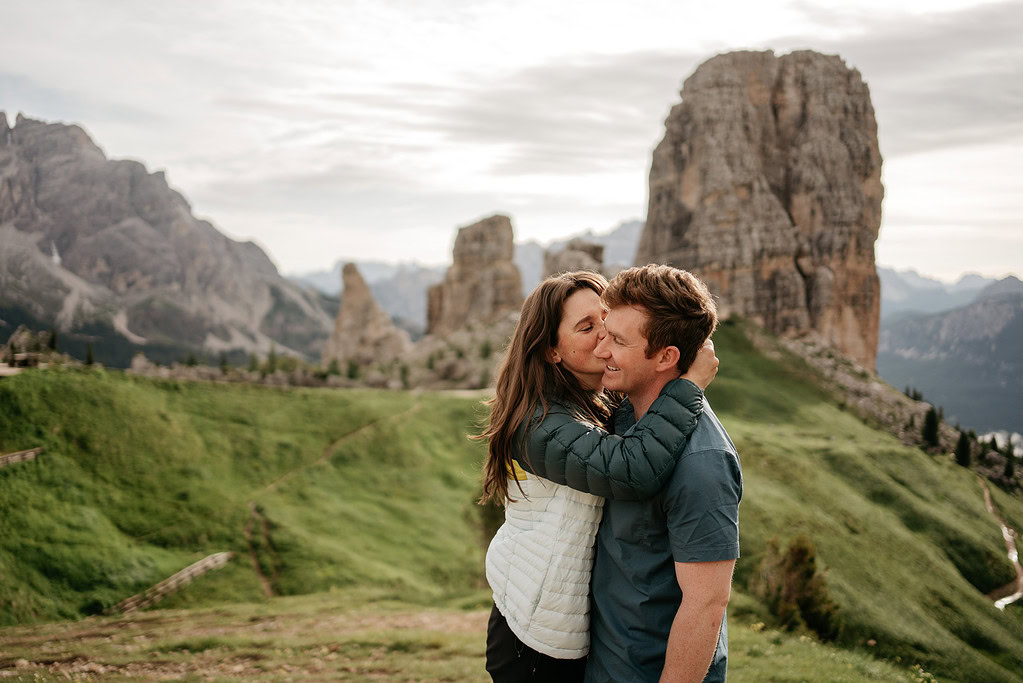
{"points": [[372, 129]]}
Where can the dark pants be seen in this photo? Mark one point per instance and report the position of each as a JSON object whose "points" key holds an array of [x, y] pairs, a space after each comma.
{"points": [[509, 661]]}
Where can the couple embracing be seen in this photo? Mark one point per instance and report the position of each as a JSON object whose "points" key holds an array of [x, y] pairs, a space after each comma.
{"points": [[621, 488]]}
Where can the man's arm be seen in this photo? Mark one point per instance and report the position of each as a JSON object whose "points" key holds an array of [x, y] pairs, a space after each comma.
{"points": [[706, 587]]}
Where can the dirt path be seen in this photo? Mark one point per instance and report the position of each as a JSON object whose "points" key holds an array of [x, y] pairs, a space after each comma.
{"points": [[254, 518], [1012, 591], [328, 452], [310, 638]]}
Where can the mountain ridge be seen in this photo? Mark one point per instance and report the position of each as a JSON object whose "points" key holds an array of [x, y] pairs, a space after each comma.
{"points": [[91, 240]]}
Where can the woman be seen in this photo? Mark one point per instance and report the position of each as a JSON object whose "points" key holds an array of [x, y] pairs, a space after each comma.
{"points": [[548, 387]]}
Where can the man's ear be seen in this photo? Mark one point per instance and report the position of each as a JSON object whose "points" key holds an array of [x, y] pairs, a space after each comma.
{"points": [[667, 358]]}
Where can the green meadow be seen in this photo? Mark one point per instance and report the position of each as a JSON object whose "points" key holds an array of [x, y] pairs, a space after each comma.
{"points": [[352, 518]]}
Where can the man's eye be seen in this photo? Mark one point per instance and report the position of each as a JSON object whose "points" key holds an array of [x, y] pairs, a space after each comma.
{"points": [[587, 328]]}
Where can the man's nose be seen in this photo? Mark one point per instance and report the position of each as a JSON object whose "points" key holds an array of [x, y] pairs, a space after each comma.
{"points": [[602, 348]]}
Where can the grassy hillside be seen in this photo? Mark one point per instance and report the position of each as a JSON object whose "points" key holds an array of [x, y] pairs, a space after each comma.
{"points": [[370, 493], [909, 548], [141, 478]]}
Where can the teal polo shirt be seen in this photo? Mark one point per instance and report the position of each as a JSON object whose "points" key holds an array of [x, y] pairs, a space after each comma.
{"points": [[694, 518]]}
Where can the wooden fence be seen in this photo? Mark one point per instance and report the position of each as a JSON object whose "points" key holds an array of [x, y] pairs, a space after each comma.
{"points": [[20, 456], [169, 585]]}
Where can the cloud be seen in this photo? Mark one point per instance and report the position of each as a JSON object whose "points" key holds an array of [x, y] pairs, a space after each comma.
{"points": [[37, 101], [388, 116], [944, 80], [581, 116]]}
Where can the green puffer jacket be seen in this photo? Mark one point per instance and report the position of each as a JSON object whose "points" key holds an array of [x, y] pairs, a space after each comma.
{"points": [[586, 458]]}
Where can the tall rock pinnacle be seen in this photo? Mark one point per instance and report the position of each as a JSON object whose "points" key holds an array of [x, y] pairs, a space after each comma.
{"points": [[363, 333], [483, 282], [767, 185]]}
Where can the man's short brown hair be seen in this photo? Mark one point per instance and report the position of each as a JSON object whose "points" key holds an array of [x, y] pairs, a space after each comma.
{"points": [[680, 309]]}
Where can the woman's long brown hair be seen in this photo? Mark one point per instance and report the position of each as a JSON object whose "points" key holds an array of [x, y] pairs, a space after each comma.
{"points": [[526, 377]]}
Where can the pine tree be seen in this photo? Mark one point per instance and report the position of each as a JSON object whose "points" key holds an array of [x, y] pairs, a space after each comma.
{"points": [[930, 429], [224, 365], [1010, 466], [271, 360], [53, 339], [963, 450], [89, 358]]}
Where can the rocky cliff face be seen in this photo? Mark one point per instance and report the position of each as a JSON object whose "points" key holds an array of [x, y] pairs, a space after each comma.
{"points": [[578, 254], [363, 333], [483, 282], [767, 184], [86, 239]]}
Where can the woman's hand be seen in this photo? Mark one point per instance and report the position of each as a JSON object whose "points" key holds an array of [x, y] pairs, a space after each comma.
{"points": [[704, 368]]}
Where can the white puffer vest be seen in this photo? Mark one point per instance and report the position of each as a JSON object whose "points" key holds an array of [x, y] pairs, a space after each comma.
{"points": [[539, 565]]}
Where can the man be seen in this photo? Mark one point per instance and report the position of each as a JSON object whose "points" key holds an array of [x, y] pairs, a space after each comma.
{"points": [[663, 571]]}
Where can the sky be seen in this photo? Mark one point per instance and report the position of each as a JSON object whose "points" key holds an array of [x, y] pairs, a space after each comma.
{"points": [[373, 129]]}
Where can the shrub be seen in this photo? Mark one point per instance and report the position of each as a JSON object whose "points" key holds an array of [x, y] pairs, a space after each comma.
{"points": [[929, 433], [963, 450], [794, 589]]}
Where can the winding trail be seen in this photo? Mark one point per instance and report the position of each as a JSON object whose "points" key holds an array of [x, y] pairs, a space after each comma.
{"points": [[264, 525], [1012, 591], [328, 452], [253, 556]]}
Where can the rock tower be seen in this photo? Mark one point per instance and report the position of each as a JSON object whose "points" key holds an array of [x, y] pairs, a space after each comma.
{"points": [[363, 333], [767, 185], [483, 282], [578, 254]]}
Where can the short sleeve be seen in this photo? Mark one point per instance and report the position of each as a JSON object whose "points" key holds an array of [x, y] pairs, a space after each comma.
{"points": [[702, 507]]}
